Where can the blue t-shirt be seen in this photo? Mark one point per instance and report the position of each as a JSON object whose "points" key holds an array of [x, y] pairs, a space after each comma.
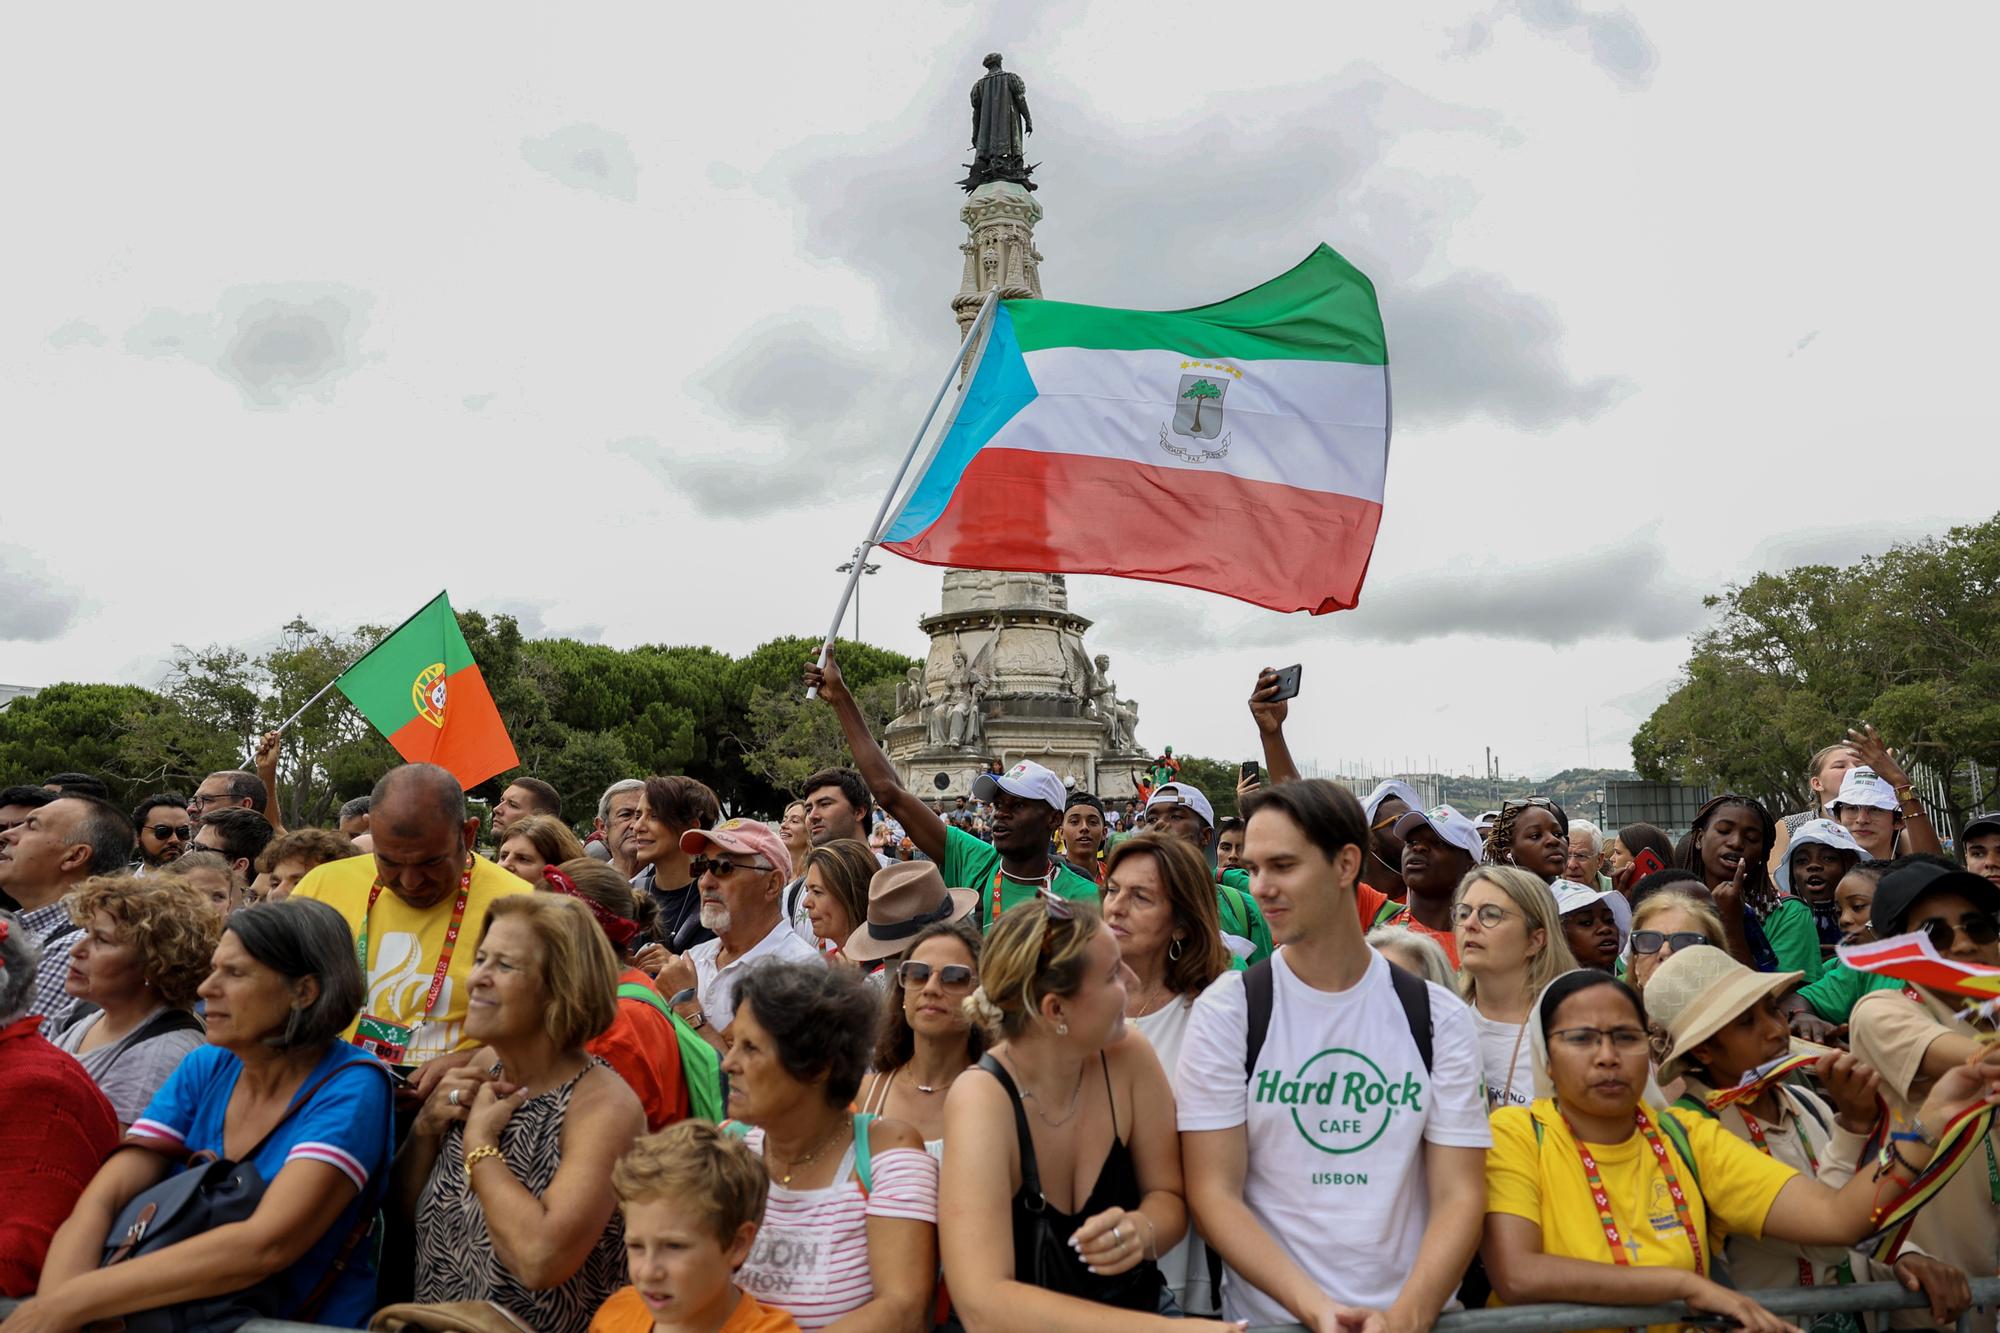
{"points": [[349, 1125]]}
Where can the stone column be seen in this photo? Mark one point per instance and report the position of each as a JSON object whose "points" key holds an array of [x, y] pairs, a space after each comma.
{"points": [[999, 247]]}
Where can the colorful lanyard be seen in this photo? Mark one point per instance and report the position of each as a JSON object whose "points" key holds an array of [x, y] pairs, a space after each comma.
{"points": [[444, 955], [1603, 1200], [1812, 1158], [994, 915]]}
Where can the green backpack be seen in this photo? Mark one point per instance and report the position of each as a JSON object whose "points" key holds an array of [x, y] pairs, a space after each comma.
{"points": [[701, 1063]]}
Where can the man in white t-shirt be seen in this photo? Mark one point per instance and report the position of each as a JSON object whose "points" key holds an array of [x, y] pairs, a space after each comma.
{"points": [[739, 867], [1342, 1182]]}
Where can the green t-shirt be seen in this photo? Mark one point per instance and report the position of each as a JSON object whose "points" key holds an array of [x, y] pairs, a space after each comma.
{"points": [[1832, 997], [1240, 916], [1794, 939], [972, 864]]}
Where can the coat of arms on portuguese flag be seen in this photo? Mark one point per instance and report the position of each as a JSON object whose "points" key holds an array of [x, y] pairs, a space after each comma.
{"points": [[422, 690]]}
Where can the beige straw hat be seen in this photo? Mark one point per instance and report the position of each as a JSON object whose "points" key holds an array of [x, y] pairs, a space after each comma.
{"points": [[1698, 990]]}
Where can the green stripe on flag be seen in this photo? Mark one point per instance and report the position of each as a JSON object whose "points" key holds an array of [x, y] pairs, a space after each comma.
{"points": [[381, 684], [1322, 310]]}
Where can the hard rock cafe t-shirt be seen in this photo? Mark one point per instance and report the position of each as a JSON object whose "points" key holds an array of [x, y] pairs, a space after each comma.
{"points": [[1337, 1112]]}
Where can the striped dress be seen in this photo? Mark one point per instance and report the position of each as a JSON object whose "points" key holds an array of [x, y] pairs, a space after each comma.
{"points": [[455, 1258], [811, 1255]]}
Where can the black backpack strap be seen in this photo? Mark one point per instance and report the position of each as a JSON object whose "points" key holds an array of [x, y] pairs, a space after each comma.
{"points": [[1257, 988], [166, 1021], [1415, 997]]}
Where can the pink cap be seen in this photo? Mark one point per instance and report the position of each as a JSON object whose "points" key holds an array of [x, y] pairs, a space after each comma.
{"points": [[745, 837]]}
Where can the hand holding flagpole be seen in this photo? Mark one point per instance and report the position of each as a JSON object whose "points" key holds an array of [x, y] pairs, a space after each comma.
{"points": [[874, 536]]}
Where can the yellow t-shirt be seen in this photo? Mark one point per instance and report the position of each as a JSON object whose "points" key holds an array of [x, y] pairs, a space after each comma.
{"points": [[1544, 1183], [403, 948]]}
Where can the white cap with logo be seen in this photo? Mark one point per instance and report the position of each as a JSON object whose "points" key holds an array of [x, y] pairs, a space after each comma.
{"points": [[1451, 826], [1864, 786], [1181, 793], [1027, 780]]}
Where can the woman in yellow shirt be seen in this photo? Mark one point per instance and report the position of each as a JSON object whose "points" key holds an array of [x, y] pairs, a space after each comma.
{"points": [[1593, 1196]]}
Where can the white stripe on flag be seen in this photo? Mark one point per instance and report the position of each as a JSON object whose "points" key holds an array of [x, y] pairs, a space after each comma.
{"points": [[1337, 393]]}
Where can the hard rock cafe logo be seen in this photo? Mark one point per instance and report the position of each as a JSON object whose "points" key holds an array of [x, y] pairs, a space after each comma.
{"points": [[1340, 1100], [427, 693], [1198, 411]]}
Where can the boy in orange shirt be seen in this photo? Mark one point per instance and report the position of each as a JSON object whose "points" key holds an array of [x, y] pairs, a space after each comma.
{"points": [[692, 1198]]}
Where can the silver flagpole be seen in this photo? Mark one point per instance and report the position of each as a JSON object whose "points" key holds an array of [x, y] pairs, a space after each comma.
{"points": [[881, 515], [286, 724]]}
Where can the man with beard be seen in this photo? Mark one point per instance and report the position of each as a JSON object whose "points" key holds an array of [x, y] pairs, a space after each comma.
{"points": [[1026, 806], [1439, 847], [739, 866], [164, 830]]}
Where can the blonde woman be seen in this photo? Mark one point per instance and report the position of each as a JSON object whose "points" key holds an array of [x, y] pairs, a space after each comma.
{"points": [[1673, 918], [1510, 945], [535, 843]]}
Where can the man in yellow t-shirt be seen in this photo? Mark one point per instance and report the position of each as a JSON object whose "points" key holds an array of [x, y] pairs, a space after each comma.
{"points": [[416, 909]]}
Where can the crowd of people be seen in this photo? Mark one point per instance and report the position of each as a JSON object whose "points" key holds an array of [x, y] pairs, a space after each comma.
{"points": [[1024, 1057]]}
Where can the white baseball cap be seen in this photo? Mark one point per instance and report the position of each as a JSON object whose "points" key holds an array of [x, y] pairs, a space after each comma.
{"points": [[1822, 831], [1453, 827], [1864, 786], [1402, 791], [1182, 793], [1027, 780], [1572, 896]]}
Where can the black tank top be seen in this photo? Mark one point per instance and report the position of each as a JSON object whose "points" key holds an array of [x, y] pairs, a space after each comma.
{"points": [[1042, 1253]]}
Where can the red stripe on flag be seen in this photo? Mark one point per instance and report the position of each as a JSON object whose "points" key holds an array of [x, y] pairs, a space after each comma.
{"points": [[473, 742], [1277, 546]]}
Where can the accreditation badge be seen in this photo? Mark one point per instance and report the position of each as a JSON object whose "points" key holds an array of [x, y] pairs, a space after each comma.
{"points": [[383, 1038]]}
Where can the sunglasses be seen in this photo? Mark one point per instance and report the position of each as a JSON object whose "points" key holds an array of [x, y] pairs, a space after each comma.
{"points": [[166, 831], [1979, 928], [952, 976], [721, 866], [1056, 909], [1489, 914], [1649, 941]]}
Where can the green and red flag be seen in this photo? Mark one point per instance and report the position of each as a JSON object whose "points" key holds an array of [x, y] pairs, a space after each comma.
{"points": [[422, 690]]}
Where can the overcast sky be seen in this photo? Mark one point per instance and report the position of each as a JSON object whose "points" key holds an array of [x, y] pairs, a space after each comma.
{"points": [[593, 313]]}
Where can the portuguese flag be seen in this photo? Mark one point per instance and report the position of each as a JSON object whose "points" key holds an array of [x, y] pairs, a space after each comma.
{"points": [[421, 689]]}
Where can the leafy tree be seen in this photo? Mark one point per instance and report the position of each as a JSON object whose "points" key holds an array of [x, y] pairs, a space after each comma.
{"points": [[1909, 641], [1201, 391], [776, 737], [1216, 778], [133, 738]]}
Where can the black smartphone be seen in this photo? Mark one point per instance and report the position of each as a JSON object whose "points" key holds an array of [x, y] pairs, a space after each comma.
{"points": [[1249, 768], [1288, 684]]}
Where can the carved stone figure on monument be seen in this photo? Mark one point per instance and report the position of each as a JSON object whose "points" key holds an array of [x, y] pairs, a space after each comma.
{"points": [[1128, 725], [1104, 704], [1000, 120]]}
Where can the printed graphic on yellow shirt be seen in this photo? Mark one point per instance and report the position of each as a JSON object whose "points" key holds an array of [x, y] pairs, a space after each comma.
{"points": [[397, 985], [1340, 1100], [1660, 1214]]}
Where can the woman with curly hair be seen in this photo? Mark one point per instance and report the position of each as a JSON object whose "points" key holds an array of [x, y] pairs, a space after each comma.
{"points": [[1729, 847], [145, 948], [535, 843], [1532, 834]]}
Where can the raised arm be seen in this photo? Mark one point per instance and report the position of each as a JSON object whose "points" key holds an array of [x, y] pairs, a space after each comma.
{"points": [[921, 822], [265, 761], [1270, 719], [1874, 752]]}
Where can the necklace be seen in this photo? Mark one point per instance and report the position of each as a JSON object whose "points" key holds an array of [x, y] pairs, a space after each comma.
{"points": [[807, 1159], [1150, 999], [1075, 1099], [929, 1089]]}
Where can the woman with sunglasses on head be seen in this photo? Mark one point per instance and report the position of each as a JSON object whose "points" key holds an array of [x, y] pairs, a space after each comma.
{"points": [[926, 1041], [1594, 1196], [1161, 908], [1723, 1024], [1510, 945], [1062, 1167], [1916, 1039], [1729, 848], [1532, 834]]}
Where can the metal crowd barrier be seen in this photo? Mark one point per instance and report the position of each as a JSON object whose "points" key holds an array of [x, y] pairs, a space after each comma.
{"points": [[1787, 1302]]}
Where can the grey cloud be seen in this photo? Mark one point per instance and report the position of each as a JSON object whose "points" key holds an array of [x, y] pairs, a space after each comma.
{"points": [[37, 607], [1613, 39], [530, 615], [1843, 544], [586, 157], [276, 343], [1630, 591], [1129, 224], [77, 333]]}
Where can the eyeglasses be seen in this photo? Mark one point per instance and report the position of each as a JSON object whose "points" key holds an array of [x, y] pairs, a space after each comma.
{"points": [[1490, 915], [166, 831], [952, 976], [1979, 928], [1623, 1040], [721, 866], [1649, 941]]}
